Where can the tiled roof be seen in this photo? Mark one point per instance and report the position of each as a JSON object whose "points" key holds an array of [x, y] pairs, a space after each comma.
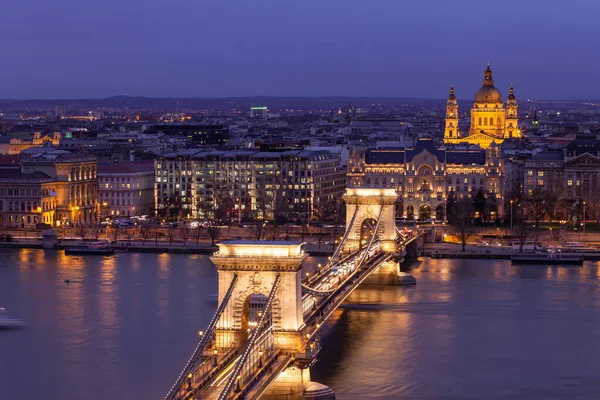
{"points": [[465, 157], [548, 155], [126, 168]]}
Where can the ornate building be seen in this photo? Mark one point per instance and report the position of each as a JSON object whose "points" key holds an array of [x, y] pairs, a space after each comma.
{"points": [[75, 184], [491, 120], [423, 177]]}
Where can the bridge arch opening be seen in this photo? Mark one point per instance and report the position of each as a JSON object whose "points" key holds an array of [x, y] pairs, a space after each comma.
{"points": [[252, 311], [424, 211], [367, 228]]}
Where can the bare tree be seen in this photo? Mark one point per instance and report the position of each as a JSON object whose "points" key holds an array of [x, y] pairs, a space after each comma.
{"points": [[258, 228], [536, 208], [158, 233], [198, 234], [184, 235], [145, 233], [462, 218], [554, 198], [115, 233], [171, 234], [128, 235], [520, 226]]}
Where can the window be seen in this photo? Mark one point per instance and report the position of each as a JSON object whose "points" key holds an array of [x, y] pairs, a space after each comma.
{"points": [[530, 192], [540, 182], [485, 121], [529, 182], [570, 182], [540, 173], [466, 181], [577, 182], [530, 173]]}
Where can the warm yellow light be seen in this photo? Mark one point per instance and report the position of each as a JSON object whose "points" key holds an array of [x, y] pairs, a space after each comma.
{"points": [[262, 249], [190, 376], [201, 333]]}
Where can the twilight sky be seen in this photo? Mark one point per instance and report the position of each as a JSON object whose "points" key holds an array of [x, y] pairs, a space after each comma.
{"points": [[213, 48]]}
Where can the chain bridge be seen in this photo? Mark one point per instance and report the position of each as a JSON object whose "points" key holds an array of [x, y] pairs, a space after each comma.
{"points": [[264, 335]]}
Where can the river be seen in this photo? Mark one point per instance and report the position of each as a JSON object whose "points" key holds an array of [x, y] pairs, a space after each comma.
{"points": [[469, 329]]}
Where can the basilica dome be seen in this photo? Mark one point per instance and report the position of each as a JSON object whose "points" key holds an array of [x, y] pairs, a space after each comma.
{"points": [[488, 92]]}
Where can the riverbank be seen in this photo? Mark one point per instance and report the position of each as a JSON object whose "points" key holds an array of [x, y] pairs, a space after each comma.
{"points": [[454, 251], [135, 246]]}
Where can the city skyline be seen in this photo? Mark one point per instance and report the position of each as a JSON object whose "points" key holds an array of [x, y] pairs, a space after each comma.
{"points": [[265, 48]]}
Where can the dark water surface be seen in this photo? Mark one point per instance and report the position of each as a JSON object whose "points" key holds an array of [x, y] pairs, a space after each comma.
{"points": [[469, 330]]}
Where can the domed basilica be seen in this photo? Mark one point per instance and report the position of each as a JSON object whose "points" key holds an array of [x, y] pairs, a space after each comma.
{"points": [[491, 121]]}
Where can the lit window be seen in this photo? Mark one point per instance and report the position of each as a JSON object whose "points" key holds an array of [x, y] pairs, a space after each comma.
{"points": [[540, 182], [577, 182], [530, 173], [530, 192], [466, 180], [540, 173], [570, 182]]}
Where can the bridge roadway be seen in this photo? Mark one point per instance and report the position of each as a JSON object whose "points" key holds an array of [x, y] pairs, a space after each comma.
{"points": [[211, 377]]}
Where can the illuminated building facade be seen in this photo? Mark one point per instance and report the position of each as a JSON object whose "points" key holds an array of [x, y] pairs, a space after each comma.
{"points": [[294, 182], [75, 184], [126, 189], [26, 199], [423, 177], [17, 145], [491, 119]]}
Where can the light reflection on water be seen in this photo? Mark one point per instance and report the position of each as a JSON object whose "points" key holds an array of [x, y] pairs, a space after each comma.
{"points": [[469, 329]]}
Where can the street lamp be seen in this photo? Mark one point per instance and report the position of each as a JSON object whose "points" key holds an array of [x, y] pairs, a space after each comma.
{"points": [[583, 219]]}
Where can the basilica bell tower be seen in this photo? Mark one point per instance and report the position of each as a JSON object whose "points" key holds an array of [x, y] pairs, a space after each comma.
{"points": [[451, 130]]}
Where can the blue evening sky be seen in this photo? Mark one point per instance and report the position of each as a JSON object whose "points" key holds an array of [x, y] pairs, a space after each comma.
{"points": [[206, 48]]}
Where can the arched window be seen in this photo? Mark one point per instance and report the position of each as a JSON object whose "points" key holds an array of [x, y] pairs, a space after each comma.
{"points": [[449, 133], [22, 206], [10, 206], [1, 205], [499, 123], [485, 121], [479, 120]]}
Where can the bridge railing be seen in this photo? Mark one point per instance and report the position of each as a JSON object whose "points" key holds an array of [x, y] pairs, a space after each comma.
{"points": [[324, 309], [260, 340], [197, 364]]}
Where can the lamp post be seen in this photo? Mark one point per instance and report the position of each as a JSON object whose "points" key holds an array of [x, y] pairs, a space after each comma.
{"points": [[583, 219], [511, 215]]}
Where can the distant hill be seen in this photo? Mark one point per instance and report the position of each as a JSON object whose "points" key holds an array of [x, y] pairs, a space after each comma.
{"points": [[226, 103]]}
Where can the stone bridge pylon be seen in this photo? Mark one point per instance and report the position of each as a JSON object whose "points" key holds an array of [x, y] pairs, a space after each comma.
{"points": [[367, 204]]}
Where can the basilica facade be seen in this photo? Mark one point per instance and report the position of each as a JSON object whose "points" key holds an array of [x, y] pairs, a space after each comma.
{"points": [[425, 175], [491, 119]]}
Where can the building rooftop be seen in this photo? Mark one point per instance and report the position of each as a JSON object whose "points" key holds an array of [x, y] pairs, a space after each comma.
{"points": [[548, 155], [127, 168], [18, 176]]}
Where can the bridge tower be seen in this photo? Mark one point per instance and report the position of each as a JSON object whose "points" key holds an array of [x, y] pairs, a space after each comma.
{"points": [[257, 265], [367, 204], [363, 207]]}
